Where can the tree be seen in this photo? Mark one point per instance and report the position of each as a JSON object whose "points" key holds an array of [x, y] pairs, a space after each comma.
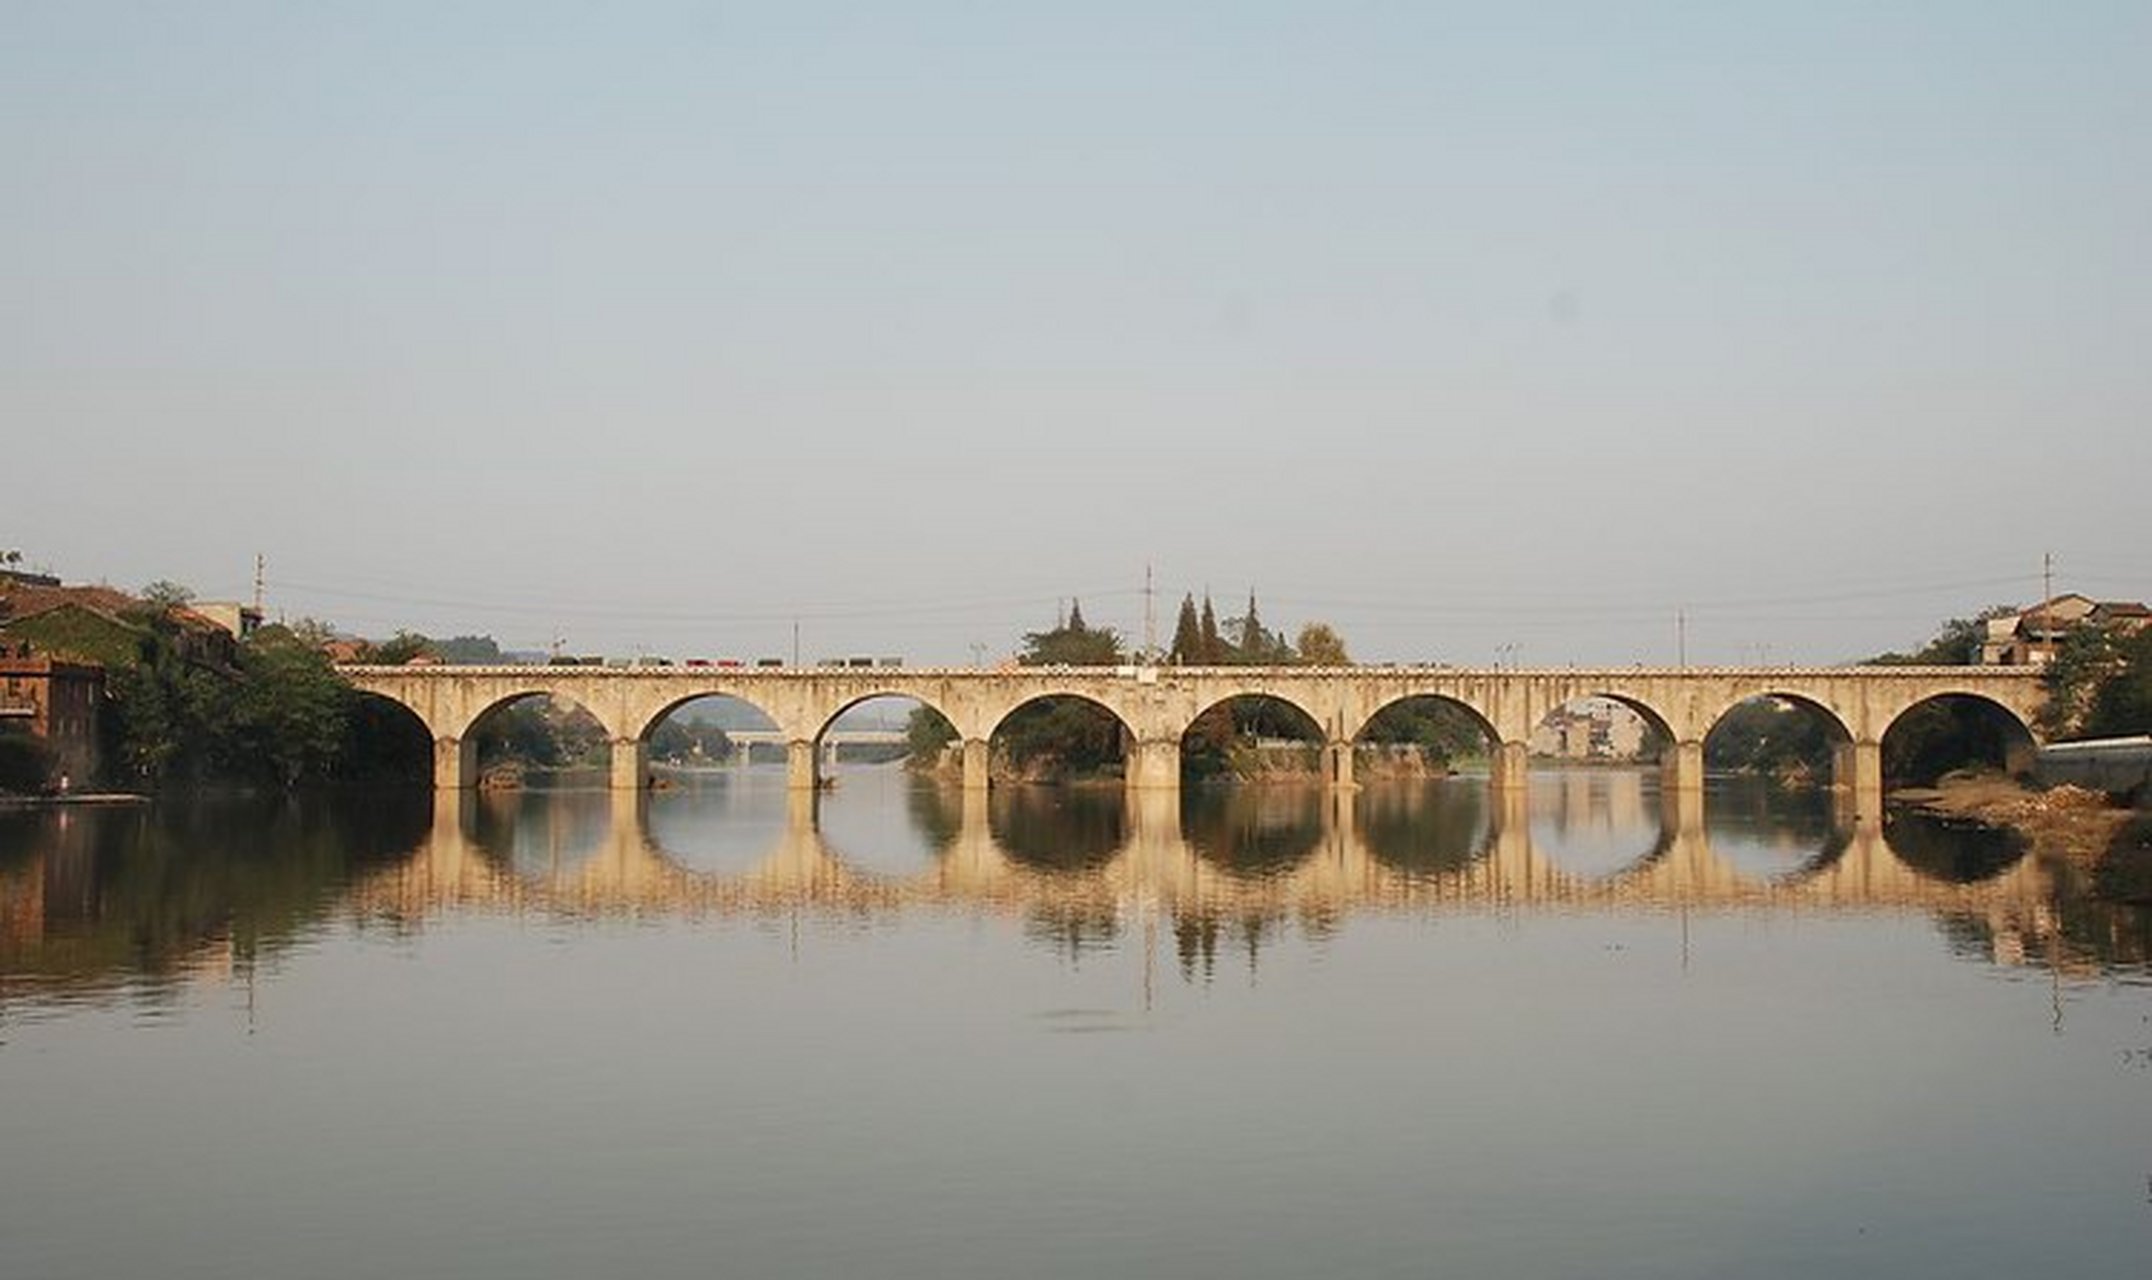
{"points": [[1059, 737], [1071, 644], [314, 631], [1253, 644], [290, 713], [399, 649], [1319, 645], [1955, 644], [2099, 684], [164, 595], [1443, 731], [1213, 645], [2123, 704], [1187, 634], [927, 733], [1253, 639], [679, 739], [476, 651], [1768, 736]]}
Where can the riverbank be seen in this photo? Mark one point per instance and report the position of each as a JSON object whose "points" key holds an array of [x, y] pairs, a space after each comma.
{"points": [[2072, 824]]}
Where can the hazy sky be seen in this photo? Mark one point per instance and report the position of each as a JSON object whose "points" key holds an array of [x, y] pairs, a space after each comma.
{"points": [[1460, 326]]}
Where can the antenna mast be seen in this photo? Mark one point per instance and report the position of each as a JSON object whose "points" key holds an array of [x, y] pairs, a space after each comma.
{"points": [[2047, 603], [1150, 616]]}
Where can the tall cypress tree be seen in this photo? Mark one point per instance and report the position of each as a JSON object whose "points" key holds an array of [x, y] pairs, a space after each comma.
{"points": [[1075, 622], [1213, 644], [1187, 634], [1254, 644]]}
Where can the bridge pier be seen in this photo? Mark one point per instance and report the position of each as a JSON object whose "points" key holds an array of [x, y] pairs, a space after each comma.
{"points": [[1154, 765], [631, 764], [1683, 767], [1859, 767], [455, 764], [801, 767], [1511, 767], [975, 764]]}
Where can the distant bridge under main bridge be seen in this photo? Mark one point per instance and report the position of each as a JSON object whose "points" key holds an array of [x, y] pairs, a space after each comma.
{"points": [[1156, 705]]}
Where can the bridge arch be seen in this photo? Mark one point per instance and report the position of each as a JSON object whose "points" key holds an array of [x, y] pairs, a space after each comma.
{"points": [[1452, 701], [1248, 717], [578, 730], [1432, 723], [1786, 736], [647, 719], [1061, 731], [1950, 728], [853, 703], [1656, 721], [1837, 721], [1599, 728], [390, 741]]}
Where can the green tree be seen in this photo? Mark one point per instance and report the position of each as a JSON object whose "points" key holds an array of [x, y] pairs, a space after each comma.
{"points": [[1319, 645], [289, 714], [164, 595], [1071, 643], [1187, 634], [2086, 659], [679, 739], [400, 648], [2124, 703], [479, 651], [1767, 736], [1254, 644], [2100, 684], [1442, 730], [1059, 737], [927, 733], [1955, 644], [1212, 645]]}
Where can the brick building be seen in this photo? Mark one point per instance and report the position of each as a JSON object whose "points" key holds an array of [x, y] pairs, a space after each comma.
{"points": [[59, 702]]}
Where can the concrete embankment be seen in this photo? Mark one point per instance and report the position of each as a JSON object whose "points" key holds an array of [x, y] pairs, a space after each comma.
{"points": [[2117, 766]]}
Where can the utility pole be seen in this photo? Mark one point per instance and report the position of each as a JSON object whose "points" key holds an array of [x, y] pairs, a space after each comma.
{"points": [[1681, 638], [261, 563], [795, 642], [2047, 596], [1150, 616]]}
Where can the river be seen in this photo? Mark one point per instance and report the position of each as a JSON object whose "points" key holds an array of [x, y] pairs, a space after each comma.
{"points": [[726, 1029]]}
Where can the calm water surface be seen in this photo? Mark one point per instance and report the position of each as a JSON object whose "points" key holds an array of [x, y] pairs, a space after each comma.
{"points": [[729, 1031]]}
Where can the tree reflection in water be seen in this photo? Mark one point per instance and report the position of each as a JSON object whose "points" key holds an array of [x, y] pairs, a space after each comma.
{"points": [[96, 898], [1426, 829], [1253, 832], [1059, 829]]}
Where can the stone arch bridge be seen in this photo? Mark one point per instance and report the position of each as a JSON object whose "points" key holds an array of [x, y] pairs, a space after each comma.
{"points": [[1156, 706]]}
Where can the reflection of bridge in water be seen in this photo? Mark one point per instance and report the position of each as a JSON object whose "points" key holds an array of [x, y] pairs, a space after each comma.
{"points": [[618, 867]]}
